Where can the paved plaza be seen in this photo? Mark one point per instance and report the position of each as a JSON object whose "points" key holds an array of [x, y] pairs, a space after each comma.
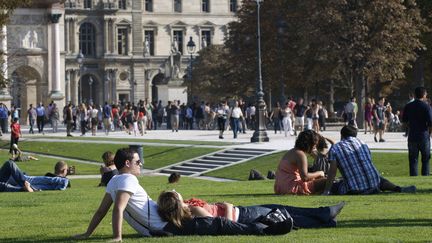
{"points": [[394, 141]]}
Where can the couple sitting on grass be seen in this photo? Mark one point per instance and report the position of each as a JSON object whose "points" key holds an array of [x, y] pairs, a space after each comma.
{"points": [[172, 216], [12, 179], [350, 155]]}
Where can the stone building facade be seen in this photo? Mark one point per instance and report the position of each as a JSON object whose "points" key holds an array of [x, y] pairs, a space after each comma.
{"points": [[131, 49]]}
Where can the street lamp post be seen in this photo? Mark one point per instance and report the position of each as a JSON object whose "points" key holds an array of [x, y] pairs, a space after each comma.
{"points": [[260, 134], [281, 27], [80, 60], [191, 49]]}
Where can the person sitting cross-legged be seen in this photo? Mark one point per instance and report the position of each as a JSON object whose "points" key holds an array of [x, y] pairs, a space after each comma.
{"points": [[359, 175]]}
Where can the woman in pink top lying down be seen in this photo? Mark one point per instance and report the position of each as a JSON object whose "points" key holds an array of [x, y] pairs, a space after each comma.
{"points": [[172, 208]]}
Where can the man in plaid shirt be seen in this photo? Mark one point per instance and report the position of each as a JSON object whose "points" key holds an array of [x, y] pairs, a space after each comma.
{"points": [[359, 175]]}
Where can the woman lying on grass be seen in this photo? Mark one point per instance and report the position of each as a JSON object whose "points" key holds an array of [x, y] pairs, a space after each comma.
{"points": [[172, 208], [292, 175]]}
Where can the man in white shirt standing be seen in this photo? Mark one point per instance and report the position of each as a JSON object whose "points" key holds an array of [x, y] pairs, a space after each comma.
{"points": [[132, 203]]}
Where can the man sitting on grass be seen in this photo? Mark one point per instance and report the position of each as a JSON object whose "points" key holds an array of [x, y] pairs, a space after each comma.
{"points": [[12, 179], [132, 203], [359, 175]]}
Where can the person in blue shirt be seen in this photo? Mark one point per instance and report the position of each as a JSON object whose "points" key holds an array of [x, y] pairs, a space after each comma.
{"points": [[4, 114], [417, 115]]}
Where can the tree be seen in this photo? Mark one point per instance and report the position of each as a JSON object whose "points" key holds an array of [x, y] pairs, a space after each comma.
{"points": [[6, 9]]}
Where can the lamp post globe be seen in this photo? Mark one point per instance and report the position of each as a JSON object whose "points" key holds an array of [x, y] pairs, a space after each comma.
{"points": [[260, 133]]}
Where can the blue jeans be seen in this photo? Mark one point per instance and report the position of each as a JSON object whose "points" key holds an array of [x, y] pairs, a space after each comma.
{"points": [[12, 180], [413, 149], [11, 177], [235, 126], [302, 217]]}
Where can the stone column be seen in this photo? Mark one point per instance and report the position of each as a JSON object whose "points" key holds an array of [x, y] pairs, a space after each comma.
{"points": [[106, 35], [106, 82], [74, 85], [67, 85], [67, 35], [5, 97], [54, 52], [114, 37], [75, 37], [113, 85]]}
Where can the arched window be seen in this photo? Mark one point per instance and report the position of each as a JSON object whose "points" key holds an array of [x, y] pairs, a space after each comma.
{"points": [[87, 39]]}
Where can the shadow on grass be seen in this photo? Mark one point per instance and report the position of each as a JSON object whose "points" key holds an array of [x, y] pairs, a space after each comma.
{"points": [[240, 195], [68, 239], [429, 190], [371, 223]]}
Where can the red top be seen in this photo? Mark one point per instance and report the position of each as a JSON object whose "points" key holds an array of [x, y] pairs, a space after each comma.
{"points": [[15, 130]]}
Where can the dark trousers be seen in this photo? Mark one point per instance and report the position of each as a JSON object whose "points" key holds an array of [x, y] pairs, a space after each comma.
{"points": [[40, 121], [221, 123], [4, 124], [12, 142], [302, 217], [214, 226], [11, 177], [83, 125], [413, 150]]}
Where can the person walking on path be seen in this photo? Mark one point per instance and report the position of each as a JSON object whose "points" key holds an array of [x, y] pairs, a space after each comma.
{"points": [[31, 113], [15, 135], [417, 116], [68, 119], [4, 114], [379, 117], [40, 120]]}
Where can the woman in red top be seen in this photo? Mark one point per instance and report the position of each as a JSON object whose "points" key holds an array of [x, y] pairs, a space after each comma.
{"points": [[172, 208], [15, 135]]}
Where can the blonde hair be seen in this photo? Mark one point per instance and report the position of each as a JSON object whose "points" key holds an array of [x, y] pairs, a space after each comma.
{"points": [[170, 208]]}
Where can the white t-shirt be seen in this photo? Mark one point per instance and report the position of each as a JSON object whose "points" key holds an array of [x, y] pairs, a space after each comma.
{"points": [[136, 212]]}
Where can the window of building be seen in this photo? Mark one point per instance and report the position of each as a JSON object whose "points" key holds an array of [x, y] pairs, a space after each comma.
{"points": [[122, 4], [205, 38], [149, 42], [87, 39], [87, 3], [178, 37], [233, 6], [149, 5], [177, 6], [205, 6], [122, 41]]}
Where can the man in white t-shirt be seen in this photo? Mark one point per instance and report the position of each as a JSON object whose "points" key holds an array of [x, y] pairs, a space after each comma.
{"points": [[132, 203]]}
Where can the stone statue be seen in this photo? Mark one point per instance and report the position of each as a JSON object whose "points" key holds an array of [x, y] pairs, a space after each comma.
{"points": [[175, 60], [204, 43], [33, 39], [146, 47]]}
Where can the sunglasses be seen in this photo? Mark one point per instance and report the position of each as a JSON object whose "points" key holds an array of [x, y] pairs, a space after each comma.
{"points": [[138, 162]]}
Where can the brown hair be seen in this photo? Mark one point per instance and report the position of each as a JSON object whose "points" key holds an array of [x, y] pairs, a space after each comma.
{"points": [[108, 158], [306, 140], [170, 208], [59, 166]]}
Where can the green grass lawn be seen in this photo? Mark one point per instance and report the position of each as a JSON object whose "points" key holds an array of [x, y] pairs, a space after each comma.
{"points": [[154, 156], [44, 165], [389, 164], [54, 216], [139, 140]]}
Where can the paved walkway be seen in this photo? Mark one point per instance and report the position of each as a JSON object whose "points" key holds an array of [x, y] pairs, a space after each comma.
{"points": [[394, 141]]}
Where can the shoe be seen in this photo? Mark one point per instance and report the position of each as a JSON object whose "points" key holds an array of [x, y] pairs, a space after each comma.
{"points": [[409, 189], [381, 140], [220, 137], [69, 135], [336, 209], [271, 175], [376, 140]]}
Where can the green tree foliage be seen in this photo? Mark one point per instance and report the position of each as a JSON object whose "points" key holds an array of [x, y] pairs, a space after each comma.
{"points": [[6, 9]]}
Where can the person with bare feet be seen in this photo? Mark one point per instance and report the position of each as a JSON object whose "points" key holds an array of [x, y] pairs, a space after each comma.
{"points": [[12, 179], [20, 156]]}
